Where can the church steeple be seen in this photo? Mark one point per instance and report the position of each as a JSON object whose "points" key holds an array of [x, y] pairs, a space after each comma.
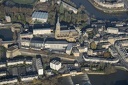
{"points": [[58, 24]]}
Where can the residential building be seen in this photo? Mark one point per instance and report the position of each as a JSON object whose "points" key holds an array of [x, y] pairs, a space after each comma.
{"points": [[55, 65], [112, 30], [104, 3], [26, 35], [40, 16], [39, 66], [100, 59], [28, 78], [3, 73], [8, 81], [2, 64], [14, 61]]}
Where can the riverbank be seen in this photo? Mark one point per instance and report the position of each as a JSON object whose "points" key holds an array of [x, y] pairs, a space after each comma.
{"points": [[106, 10]]}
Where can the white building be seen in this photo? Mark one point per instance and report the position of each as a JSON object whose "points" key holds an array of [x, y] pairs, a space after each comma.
{"points": [[55, 65], [8, 81], [43, 0], [112, 30], [14, 62], [41, 31], [40, 16], [56, 45], [98, 59], [3, 73], [118, 4], [2, 64], [8, 18], [28, 78], [39, 66]]}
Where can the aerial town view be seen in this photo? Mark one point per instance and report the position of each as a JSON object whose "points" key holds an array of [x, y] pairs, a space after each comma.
{"points": [[63, 42]]}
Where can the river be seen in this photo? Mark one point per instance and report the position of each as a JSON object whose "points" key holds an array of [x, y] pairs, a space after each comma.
{"points": [[118, 78], [99, 14]]}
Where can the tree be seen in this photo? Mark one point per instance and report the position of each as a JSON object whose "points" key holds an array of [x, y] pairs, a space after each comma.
{"points": [[93, 45]]}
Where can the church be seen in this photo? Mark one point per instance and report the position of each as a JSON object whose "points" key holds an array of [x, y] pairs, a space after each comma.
{"points": [[64, 32]]}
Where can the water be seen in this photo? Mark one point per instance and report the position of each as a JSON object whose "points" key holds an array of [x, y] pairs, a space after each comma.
{"points": [[99, 14], [6, 34], [118, 78]]}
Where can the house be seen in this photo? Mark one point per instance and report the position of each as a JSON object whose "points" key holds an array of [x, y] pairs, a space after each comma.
{"points": [[28, 78], [40, 16]]}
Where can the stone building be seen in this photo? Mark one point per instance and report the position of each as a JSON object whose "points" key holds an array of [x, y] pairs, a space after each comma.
{"points": [[65, 32]]}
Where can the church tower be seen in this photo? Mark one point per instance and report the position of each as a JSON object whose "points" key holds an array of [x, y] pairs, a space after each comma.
{"points": [[57, 31]]}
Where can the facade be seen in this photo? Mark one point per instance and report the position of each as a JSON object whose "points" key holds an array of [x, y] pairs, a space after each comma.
{"points": [[25, 43], [63, 32], [28, 77], [56, 45], [40, 16], [69, 48], [37, 43], [75, 52], [55, 65], [26, 35], [12, 52], [42, 31], [2, 73], [8, 81], [43, 0], [97, 59], [2, 64], [103, 3], [14, 62], [112, 30], [39, 66]]}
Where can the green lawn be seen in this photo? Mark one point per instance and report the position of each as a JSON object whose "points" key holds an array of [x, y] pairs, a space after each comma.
{"points": [[24, 1]]}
